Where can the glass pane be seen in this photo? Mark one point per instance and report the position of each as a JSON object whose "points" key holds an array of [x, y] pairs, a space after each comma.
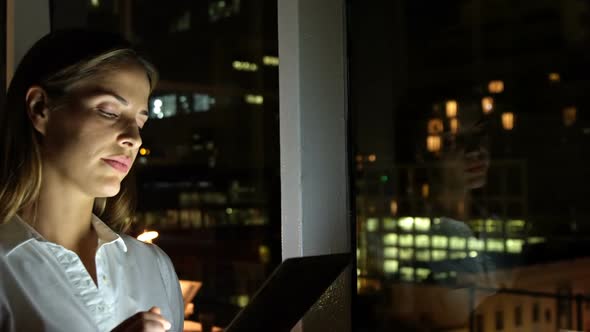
{"points": [[470, 129], [208, 171]]}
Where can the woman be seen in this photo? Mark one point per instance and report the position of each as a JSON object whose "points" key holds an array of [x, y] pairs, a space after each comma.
{"points": [[70, 134]]}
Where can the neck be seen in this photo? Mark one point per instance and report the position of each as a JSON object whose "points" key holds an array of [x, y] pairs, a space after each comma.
{"points": [[62, 215]]}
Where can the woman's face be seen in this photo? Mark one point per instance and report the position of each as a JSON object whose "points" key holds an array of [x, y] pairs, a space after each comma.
{"points": [[93, 136]]}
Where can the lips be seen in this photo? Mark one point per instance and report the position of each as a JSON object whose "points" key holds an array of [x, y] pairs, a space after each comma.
{"points": [[120, 163]]}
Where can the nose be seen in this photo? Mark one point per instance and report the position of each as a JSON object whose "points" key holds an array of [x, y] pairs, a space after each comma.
{"points": [[130, 137]]}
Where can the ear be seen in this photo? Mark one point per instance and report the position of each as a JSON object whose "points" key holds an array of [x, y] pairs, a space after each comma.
{"points": [[37, 103]]}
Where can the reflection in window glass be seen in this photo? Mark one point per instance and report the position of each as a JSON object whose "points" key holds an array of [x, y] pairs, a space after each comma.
{"points": [[475, 111]]}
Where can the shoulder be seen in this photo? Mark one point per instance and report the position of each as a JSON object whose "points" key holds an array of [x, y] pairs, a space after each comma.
{"points": [[145, 251]]}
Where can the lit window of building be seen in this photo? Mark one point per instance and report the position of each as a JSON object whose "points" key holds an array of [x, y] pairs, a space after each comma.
{"points": [[487, 104], [422, 273], [423, 255], [422, 241], [406, 223], [244, 66], [254, 99], [451, 108], [390, 239], [457, 242], [202, 102], [554, 77], [439, 255], [493, 226], [476, 244], [406, 240], [390, 266], [407, 273], [435, 126], [372, 224], [496, 86], [508, 120], [495, 245], [390, 252], [569, 116], [458, 255], [270, 60], [421, 224], [406, 254], [433, 143], [389, 224], [514, 246], [439, 241]]}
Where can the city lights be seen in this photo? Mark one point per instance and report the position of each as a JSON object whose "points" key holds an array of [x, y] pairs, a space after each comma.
{"points": [[569, 116], [435, 126], [454, 126], [487, 104], [554, 77], [508, 120], [496, 86], [254, 99], [372, 158], [244, 66], [433, 143], [270, 60], [451, 108]]}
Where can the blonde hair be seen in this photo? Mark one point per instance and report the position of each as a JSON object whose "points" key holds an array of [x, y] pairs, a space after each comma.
{"points": [[20, 155]]}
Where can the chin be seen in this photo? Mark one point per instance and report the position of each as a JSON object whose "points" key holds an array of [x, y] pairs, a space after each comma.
{"points": [[109, 191]]}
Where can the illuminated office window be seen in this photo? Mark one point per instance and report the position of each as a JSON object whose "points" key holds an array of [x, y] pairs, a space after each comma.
{"points": [[423, 255], [493, 226], [495, 245], [390, 252], [202, 102], [406, 223], [406, 253], [406, 240], [422, 241], [476, 244], [372, 224], [439, 241], [514, 245], [390, 239], [439, 255], [390, 266], [457, 242], [389, 224], [421, 224], [422, 273], [457, 255], [407, 273]]}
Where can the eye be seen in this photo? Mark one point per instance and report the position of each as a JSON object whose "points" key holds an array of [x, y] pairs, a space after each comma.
{"points": [[107, 114]]}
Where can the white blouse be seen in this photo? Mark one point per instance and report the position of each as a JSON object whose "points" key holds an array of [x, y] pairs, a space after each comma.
{"points": [[45, 287]]}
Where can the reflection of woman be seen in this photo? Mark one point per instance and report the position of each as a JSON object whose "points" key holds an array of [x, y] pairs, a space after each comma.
{"points": [[70, 134]]}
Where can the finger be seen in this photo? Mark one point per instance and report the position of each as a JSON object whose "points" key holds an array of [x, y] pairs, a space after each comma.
{"points": [[154, 315], [147, 326]]}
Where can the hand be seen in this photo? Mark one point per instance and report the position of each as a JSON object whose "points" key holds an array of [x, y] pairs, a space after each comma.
{"points": [[145, 321]]}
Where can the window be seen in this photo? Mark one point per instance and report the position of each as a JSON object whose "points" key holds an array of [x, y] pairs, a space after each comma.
{"points": [[471, 111], [479, 323], [208, 173], [518, 316], [536, 312], [499, 320]]}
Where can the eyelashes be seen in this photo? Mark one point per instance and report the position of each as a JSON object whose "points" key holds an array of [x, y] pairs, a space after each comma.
{"points": [[113, 116], [106, 114]]}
